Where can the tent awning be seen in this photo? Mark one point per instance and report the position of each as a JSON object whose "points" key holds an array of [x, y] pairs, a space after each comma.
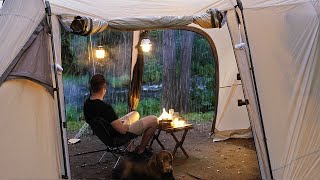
{"points": [[110, 9]]}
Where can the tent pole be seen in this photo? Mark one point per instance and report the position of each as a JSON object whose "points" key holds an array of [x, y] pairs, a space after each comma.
{"points": [[240, 6], [62, 125]]}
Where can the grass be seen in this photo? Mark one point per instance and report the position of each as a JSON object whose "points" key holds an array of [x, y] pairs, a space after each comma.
{"points": [[199, 117], [74, 125], [195, 117], [148, 106]]}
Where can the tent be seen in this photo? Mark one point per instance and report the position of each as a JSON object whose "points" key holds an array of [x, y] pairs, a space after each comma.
{"points": [[273, 45]]}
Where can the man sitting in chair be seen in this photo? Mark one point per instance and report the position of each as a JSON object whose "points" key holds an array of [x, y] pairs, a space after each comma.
{"points": [[126, 127]]}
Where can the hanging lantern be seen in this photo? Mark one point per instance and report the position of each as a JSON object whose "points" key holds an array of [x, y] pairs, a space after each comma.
{"points": [[100, 52], [145, 42], [146, 45]]}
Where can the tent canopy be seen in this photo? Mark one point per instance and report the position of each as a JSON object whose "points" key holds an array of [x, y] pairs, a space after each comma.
{"points": [[109, 9]]}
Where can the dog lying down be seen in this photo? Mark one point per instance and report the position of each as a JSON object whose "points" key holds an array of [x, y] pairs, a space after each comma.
{"points": [[159, 167]]}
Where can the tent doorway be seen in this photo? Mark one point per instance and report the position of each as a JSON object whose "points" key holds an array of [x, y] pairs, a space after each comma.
{"points": [[183, 62]]}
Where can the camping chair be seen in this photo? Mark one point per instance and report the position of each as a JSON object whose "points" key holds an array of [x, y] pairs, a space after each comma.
{"points": [[113, 144]]}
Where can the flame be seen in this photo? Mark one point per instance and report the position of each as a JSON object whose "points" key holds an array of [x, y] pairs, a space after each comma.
{"points": [[165, 115], [178, 123]]}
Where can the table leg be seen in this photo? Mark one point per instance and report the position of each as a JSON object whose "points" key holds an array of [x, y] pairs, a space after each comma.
{"points": [[179, 143], [156, 137]]}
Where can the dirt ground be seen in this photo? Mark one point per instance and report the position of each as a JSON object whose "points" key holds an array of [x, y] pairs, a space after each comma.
{"points": [[230, 159]]}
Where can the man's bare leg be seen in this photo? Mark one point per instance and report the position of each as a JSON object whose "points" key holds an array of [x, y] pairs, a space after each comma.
{"points": [[150, 123], [129, 119]]}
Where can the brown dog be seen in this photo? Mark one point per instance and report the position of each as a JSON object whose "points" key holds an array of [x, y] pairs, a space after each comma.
{"points": [[159, 167], [161, 164]]}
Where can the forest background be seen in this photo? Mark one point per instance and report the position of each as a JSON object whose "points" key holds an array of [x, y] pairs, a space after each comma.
{"points": [[179, 72]]}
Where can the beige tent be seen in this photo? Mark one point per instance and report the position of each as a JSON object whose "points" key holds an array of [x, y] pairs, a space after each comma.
{"points": [[275, 49]]}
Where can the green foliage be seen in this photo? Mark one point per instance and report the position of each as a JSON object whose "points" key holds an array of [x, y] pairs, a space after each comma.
{"points": [[120, 81], [74, 79], [74, 125], [149, 106], [152, 71], [120, 108], [199, 117], [202, 100], [72, 113], [76, 72]]}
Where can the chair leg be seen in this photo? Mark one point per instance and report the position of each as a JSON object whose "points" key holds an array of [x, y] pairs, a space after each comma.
{"points": [[122, 155], [117, 162], [102, 157]]}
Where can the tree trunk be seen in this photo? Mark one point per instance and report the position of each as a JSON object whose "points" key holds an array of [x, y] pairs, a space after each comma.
{"points": [[169, 78], [184, 75]]}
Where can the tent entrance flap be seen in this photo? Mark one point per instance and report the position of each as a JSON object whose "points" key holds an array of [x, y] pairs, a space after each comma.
{"points": [[33, 61]]}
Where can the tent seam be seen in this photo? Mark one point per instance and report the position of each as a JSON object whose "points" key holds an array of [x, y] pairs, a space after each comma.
{"points": [[318, 14], [304, 156]]}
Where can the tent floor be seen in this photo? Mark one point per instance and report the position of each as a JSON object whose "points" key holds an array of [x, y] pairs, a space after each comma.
{"points": [[230, 159]]}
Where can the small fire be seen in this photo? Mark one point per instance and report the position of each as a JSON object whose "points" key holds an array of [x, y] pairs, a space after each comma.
{"points": [[178, 123], [165, 115]]}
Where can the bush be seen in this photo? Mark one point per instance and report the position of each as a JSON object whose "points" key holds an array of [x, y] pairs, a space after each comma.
{"points": [[74, 125], [199, 117], [121, 81], [72, 113], [149, 106], [152, 71], [120, 108]]}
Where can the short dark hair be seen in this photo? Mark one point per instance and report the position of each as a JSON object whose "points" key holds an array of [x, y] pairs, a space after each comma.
{"points": [[96, 83]]}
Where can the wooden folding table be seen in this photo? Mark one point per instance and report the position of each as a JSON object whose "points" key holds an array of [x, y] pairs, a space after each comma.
{"points": [[172, 131]]}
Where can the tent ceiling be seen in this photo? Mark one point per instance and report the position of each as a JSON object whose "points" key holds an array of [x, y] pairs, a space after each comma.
{"points": [[111, 9]]}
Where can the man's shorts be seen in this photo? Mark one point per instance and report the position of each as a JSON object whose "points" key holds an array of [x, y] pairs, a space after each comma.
{"points": [[136, 128]]}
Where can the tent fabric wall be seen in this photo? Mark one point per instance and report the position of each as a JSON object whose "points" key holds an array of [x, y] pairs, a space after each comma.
{"points": [[29, 144], [249, 93], [18, 21], [27, 114], [34, 62], [231, 120], [285, 51]]}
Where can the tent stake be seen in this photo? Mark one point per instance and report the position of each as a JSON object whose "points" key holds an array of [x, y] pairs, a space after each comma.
{"points": [[239, 4], [48, 13]]}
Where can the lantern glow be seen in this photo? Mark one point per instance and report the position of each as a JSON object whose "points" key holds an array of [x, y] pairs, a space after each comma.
{"points": [[146, 45], [100, 52]]}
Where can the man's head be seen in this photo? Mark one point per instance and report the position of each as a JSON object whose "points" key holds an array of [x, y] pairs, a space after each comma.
{"points": [[98, 84]]}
